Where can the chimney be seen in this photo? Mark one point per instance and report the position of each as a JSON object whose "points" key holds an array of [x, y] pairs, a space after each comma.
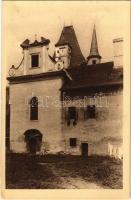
{"points": [[118, 52]]}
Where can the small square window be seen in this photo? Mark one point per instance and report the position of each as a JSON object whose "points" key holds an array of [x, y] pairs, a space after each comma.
{"points": [[73, 142], [35, 60]]}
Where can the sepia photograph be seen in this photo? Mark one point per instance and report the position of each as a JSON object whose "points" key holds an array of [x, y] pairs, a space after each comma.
{"points": [[64, 94]]}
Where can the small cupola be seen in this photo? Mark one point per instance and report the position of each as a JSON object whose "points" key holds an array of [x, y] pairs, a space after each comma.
{"points": [[94, 56]]}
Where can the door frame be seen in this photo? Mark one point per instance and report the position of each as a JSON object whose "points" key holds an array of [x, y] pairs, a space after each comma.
{"points": [[33, 136], [86, 146]]}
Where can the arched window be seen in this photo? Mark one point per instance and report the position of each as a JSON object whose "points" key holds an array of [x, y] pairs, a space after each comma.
{"points": [[34, 108]]}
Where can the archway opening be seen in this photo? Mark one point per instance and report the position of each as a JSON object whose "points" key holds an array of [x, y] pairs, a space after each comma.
{"points": [[33, 139]]}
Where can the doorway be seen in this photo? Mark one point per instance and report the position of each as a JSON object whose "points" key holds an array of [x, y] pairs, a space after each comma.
{"points": [[33, 139], [84, 149]]}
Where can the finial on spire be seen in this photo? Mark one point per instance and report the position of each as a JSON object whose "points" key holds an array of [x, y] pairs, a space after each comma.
{"points": [[35, 36]]}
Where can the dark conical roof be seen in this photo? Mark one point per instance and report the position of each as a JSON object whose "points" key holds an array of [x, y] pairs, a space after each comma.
{"points": [[94, 46], [68, 36]]}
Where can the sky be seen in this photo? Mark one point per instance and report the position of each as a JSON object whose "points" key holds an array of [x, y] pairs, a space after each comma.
{"points": [[24, 19]]}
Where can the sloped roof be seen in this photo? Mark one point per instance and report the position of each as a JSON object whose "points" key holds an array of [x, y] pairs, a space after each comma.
{"points": [[68, 36], [93, 76]]}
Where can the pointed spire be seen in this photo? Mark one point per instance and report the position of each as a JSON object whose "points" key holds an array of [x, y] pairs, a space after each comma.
{"points": [[94, 46], [94, 53]]}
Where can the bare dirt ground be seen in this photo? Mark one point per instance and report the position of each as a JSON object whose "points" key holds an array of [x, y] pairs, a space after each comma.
{"points": [[62, 172], [67, 182]]}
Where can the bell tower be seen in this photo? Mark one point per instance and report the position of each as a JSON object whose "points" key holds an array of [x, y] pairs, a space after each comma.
{"points": [[94, 56], [35, 56], [62, 56], [67, 50]]}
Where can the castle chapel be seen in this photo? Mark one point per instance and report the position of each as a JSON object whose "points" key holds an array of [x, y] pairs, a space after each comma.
{"points": [[65, 103]]}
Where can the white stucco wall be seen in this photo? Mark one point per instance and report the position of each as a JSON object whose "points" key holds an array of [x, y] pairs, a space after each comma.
{"points": [[49, 119]]}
